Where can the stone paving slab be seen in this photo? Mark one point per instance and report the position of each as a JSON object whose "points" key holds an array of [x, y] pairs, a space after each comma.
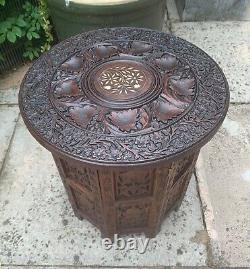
{"points": [[9, 96], [103, 267], [8, 116], [13, 78], [38, 227], [225, 166], [229, 44], [214, 10], [165, 26], [172, 11]]}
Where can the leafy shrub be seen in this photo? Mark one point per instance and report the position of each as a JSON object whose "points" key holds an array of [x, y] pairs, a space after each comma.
{"points": [[31, 26]]}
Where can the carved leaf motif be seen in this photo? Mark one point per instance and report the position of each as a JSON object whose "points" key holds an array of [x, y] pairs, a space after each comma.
{"points": [[74, 63], [82, 115], [138, 47], [67, 88], [174, 101], [171, 95], [105, 50], [129, 56], [144, 118], [167, 62], [124, 120], [164, 110], [183, 87]]}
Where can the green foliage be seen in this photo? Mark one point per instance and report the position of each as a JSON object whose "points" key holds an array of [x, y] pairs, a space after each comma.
{"points": [[31, 52], [32, 27], [11, 29], [45, 24]]}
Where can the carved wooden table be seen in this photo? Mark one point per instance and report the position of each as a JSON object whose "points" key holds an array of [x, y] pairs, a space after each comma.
{"points": [[124, 112]]}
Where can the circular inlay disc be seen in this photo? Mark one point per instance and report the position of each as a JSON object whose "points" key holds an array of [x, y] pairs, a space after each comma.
{"points": [[122, 83], [122, 79]]}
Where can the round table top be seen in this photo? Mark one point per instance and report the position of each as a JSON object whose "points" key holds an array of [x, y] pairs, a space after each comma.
{"points": [[124, 96]]}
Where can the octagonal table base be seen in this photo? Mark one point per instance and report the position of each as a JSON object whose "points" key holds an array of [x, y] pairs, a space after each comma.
{"points": [[126, 200]]}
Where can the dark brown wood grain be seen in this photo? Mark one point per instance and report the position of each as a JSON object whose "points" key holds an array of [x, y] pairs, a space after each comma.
{"points": [[124, 200], [124, 112]]}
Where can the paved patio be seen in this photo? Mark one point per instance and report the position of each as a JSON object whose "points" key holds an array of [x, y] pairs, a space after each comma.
{"points": [[212, 226]]}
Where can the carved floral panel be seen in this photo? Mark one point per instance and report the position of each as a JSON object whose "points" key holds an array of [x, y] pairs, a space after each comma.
{"points": [[134, 184], [133, 216]]}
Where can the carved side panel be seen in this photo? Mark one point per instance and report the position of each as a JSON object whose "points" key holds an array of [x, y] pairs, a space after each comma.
{"points": [[180, 173], [108, 199], [132, 185], [70, 194], [133, 216], [162, 182], [126, 201], [181, 167], [89, 207], [133, 195], [83, 185], [80, 175]]}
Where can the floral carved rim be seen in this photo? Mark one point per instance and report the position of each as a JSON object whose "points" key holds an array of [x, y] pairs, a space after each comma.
{"points": [[190, 132]]}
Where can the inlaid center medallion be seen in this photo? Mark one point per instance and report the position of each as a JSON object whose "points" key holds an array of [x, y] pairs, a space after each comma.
{"points": [[122, 79]]}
